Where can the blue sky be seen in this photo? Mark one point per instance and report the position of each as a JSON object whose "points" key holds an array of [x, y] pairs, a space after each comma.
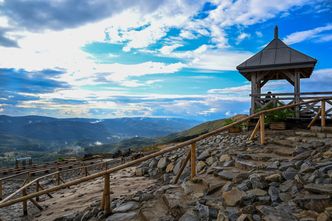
{"points": [[149, 58]]}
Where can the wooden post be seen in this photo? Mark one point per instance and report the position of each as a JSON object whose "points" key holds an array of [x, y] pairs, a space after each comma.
{"points": [[183, 165], [37, 190], [58, 178], [25, 203], [262, 128], [253, 91], [86, 171], [193, 160], [323, 114], [0, 189], [315, 118], [252, 136], [297, 94], [107, 201]]}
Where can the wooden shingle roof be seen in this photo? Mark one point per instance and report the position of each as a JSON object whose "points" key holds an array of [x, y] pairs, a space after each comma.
{"points": [[277, 56]]}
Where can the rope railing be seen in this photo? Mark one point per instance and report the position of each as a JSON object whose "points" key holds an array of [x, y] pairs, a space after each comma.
{"points": [[10, 200]]}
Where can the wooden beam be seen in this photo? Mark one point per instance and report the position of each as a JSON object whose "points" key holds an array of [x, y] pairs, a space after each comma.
{"points": [[262, 128], [314, 119], [36, 204], [323, 114], [107, 207], [183, 165], [252, 136], [193, 160]]}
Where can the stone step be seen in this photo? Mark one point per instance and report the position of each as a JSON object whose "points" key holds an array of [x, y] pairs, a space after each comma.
{"points": [[249, 164]]}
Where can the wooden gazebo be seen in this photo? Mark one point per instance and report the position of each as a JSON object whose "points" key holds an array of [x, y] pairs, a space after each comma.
{"points": [[277, 61]]}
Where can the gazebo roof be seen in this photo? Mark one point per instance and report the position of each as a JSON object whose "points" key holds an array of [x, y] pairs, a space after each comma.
{"points": [[277, 56]]}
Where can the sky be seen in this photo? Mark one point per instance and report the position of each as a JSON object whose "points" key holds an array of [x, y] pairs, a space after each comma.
{"points": [[149, 58]]}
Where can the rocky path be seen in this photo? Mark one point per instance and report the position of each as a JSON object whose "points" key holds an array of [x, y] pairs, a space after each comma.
{"points": [[290, 178]]}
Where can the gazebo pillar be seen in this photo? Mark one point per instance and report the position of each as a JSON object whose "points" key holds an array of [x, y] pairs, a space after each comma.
{"points": [[254, 91], [297, 92]]}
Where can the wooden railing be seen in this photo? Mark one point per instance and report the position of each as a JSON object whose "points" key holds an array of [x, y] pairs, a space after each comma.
{"points": [[82, 167], [306, 110], [106, 202]]}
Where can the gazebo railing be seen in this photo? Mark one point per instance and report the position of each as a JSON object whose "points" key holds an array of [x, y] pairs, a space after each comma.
{"points": [[262, 101]]}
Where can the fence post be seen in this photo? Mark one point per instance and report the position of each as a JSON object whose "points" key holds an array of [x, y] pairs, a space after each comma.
{"points": [[25, 203], [193, 160], [107, 199], [86, 170], [37, 190], [262, 128], [0, 189], [58, 178], [323, 114]]}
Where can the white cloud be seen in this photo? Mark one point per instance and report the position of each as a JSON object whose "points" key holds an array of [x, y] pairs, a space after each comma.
{"points": [[300, 36], [168, 49], [241, 37]]}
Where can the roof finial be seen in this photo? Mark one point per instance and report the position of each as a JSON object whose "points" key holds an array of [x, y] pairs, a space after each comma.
{"points": [[276, 32]]}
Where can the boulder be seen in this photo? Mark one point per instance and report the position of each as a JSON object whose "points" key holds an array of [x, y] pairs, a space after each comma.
{"points": [[234, 196], [162, 163]]}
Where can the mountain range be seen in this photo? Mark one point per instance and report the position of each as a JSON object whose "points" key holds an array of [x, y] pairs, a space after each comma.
{"points": [[48, 132]]}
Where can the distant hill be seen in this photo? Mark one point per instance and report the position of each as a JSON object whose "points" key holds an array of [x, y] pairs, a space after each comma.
{"points": [[141, 142], [54, 132], [198, 130]]}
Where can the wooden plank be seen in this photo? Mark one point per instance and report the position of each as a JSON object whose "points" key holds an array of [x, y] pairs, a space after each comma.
{"points": [[262, 128], [183, 165], [252, 136], [193, 160]]}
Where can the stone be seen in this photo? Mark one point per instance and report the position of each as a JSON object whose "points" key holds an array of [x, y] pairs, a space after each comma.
{"points": [[125, 207], [285, 186], [209, 161], [177, 167], [290, 173], [140, 171], [274, 193], [200, 166], [227, 175], [319, 188], [224, 158], [232, 197], [256, 192], [162, 163], [285, 197], [313, 202], [170, 167], [323, 217], [128, 216], [153, 163], [189, 216], [273, 178], [273, 214], [257, 181], [273, 166], [205, 154]]}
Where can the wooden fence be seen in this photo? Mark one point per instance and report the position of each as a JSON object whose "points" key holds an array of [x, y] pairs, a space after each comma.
{"points": [[106, 202]]}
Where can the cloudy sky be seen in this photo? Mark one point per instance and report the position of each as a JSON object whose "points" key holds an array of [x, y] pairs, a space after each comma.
{"points": [[174, 58]]}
